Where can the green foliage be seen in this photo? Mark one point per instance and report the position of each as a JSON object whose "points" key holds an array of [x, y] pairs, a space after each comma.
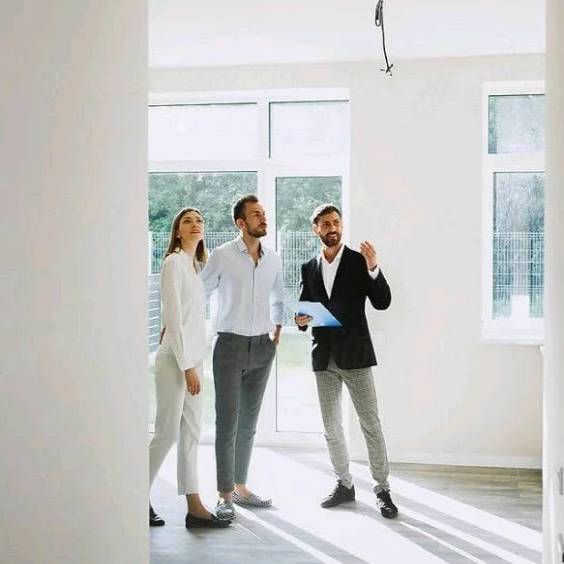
{"points": [[213, 193], [297, 197], [519, 202]]}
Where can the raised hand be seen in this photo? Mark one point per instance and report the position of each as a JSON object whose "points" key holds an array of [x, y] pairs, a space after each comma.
{"points": [[368, 251]]}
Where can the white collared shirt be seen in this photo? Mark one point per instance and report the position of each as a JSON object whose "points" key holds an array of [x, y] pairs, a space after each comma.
{"points": [[329, 270], [246, 299], [183, 310]]}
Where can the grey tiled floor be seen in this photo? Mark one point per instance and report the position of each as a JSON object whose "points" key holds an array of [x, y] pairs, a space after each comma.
{"points": [[450, 515]]}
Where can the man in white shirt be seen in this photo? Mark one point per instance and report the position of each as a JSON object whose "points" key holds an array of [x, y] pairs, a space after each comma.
{"points": [[244, 280]]}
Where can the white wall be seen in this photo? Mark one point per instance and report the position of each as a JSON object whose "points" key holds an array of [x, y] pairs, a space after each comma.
{"points": [[416, 191], [255, 32], [73, 285]]}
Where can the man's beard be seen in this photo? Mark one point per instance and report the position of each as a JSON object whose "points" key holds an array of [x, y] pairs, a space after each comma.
{"points": [[256, 233], [333, 241]]}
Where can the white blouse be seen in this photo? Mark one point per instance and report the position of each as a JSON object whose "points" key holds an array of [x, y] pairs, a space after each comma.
{"points": [[183, 310]]}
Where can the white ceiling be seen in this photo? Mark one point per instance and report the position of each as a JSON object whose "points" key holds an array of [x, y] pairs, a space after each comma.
{"points": [[196, 33]]}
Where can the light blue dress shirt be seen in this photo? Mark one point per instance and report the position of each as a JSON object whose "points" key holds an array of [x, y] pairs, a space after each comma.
{"points": [[245, 299]]}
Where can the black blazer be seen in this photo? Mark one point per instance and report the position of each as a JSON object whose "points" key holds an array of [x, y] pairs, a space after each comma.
{"points": [[349, 345]]}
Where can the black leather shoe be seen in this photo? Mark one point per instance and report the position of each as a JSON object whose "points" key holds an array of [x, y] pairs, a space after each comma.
{"points": [[386, 505], [340, 494], [154, 519], [193, 522]]}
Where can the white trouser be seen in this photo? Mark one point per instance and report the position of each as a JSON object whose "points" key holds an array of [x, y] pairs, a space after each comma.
{"points": [[178, 420]]}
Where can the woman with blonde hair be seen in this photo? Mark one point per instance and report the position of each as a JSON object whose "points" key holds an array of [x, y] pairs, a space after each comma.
{"points": [[179, 366]]}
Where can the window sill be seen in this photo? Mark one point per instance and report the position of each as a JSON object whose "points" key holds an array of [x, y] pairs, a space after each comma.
{"points": [[490, 340], [511, 336]]}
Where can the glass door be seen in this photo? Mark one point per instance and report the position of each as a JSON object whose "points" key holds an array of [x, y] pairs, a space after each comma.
{"points": [[296, 396], [292, 149], [291, 410]]}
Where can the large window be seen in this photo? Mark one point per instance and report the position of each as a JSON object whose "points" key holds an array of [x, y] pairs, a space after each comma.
{"points": [[292, 150], [514, 213], [199, 132]]}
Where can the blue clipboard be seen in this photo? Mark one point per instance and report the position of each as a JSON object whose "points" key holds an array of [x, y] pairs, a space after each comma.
{"points": [[322, 317]]}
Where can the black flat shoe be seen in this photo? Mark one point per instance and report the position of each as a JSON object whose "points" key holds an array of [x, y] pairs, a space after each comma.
{"points": [[154, 519], [193, 522]]}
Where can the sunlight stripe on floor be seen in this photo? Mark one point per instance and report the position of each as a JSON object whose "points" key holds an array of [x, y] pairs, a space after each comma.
{"points": [[444, 543], [322, 557], [479, 518], [486, 546]]}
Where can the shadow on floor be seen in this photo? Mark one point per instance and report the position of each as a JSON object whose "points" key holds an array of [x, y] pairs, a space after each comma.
{"points": [[432, 527]]}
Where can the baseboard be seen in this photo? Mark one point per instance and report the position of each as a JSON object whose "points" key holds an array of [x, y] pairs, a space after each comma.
{"points": [[477, 460]]}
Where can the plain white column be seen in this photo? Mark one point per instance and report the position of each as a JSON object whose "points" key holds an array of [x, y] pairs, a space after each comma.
{"points": [[73, 282], [553, 500]]}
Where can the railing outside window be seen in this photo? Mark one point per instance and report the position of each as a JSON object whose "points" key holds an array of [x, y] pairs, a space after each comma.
{"points": [[518, 275]]}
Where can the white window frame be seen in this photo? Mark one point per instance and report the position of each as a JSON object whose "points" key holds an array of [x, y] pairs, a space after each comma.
{"points": [[267, 171], [263, 164], [504, 331]]}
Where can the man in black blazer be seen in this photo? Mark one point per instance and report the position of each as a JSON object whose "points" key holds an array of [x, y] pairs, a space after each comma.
{"points": [[342, 279]]}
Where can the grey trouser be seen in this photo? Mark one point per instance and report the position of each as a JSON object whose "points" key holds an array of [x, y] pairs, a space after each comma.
{"points": [[360, 385], [241, 367]]}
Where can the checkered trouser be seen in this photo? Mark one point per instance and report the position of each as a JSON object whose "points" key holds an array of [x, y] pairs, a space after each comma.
{"points": [[360, 384]]}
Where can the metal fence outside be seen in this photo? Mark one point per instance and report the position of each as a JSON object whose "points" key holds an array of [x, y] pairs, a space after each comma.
{"points": [[158, 242], [154, 313], [518, 271]]}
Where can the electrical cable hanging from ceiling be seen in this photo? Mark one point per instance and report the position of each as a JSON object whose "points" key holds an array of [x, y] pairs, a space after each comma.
{"points": [[379, 22]]}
